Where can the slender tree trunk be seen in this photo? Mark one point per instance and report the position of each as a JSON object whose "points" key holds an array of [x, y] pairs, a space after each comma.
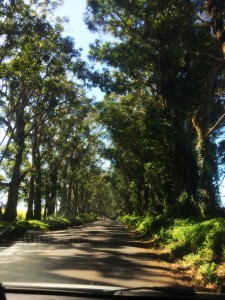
{"points": [[47, 196], [70, 196], [11, 206], [38, 188], [38, 171], [63, 190], [63, 198], [76, 196], [53, 192], [82, 199], [29, 214]]}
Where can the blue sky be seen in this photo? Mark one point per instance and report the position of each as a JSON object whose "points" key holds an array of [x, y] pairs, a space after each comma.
{"points": [[74, 9], [76, 28]]}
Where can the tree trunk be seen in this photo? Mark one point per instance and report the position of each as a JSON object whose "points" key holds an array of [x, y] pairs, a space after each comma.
{"points": [[11, 206], [82, 200], [76, 196], [38, 173], [53, 192], [38, 188], [63, 190], [201, 122], [29, 214], [70, 196]]}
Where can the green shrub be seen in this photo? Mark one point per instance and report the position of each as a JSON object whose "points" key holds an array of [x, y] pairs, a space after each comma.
{"points": [[195, 236], [85, 218], [37, 225], [131, 220], [200, 242], [146, 225], [18, 228], [208, 272], [215, 237], [150, 226]]}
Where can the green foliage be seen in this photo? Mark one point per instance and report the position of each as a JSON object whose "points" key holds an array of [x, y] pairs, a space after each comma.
{"points": [[131, 221], [62, 223], [18, 228], [51, 148], [151, 225], [200, 242], [88, 218], [208, 272], [147, 226], [39, 225], [194, 236], [164, 90]]}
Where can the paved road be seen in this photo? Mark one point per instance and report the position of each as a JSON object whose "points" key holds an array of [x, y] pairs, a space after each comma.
{"points": [[101, 253]]}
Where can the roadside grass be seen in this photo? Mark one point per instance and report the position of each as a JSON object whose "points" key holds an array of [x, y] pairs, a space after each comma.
{"points": [[195, 244], [19, 227]]}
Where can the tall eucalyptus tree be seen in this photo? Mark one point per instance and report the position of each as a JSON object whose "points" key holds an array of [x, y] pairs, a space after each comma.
{"points": [[35, 80], [172, 50]]}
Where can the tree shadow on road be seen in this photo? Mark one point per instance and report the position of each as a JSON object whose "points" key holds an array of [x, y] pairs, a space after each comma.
{"points": [[103, 254]]}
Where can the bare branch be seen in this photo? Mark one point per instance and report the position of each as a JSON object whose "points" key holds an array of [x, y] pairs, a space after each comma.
{"points": [[219, 59], [216, 125]]}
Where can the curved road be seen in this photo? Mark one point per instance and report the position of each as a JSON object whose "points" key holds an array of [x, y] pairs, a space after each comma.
{"points": [[101, 253]]}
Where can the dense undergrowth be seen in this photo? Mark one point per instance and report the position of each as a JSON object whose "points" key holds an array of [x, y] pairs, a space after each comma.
{"points": [[196, 242], [19, 227]]}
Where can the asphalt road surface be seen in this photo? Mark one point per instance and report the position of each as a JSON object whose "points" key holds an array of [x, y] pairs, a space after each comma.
{"points": [[101, 253]]}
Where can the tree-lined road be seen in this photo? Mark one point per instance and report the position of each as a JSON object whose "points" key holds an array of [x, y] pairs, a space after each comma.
{"points": [[103, 252]]}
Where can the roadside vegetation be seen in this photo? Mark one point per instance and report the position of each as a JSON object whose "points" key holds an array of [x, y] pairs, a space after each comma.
{"points": [[18, 228], [195, 245]]}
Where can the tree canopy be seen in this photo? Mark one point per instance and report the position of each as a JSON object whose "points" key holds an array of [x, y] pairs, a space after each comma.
{"points": [[169, 57], [160, 124], [49, 147]]}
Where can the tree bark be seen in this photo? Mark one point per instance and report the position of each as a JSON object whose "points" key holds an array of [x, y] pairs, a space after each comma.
{"points": [[53, 192], [201, 122], [29, 214], [11, 206], [38, 188], [76, 198], [38, 172]]}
